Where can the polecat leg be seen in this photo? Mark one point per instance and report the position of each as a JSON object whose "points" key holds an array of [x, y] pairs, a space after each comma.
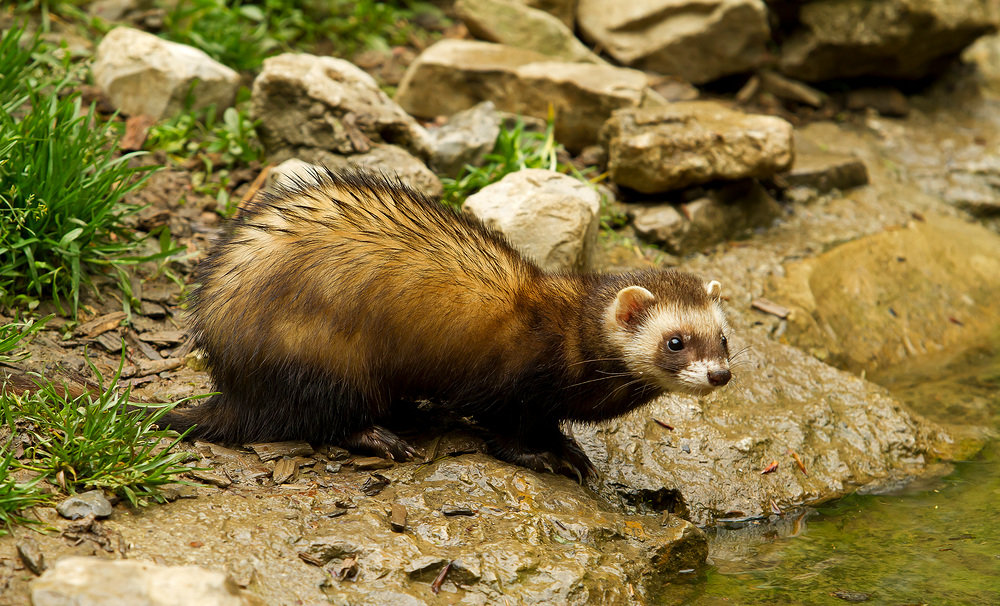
{"points": [[382, 442], [549, 450]]}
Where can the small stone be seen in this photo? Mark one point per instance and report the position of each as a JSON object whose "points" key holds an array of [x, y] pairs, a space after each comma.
{"points": [[92, 502], [269, 451], [465, 139], [885, 100], [334, 453], [31, 554], [824, 171], [285, 470], [372, 463], [333, 467], [852, 596], [375, 484], [397, 517]]}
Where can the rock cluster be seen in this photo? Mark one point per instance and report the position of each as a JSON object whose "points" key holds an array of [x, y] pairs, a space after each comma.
{"points": [[690, 173]]}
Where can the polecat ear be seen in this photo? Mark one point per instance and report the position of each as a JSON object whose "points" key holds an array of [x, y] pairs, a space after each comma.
{"points": [[630, 303], [714, 289]]}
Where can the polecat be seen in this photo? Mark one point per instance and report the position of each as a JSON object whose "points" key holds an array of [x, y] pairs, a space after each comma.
{"points": [[323, 305]]}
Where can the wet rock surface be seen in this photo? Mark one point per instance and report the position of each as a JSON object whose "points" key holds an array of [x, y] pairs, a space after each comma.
{"points": [[873, 303], [91, 581], [704, 459], [549, 217]]}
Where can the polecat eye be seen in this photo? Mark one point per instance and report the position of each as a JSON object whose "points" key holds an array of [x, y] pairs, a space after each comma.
{"points": [[725, 343], [675, 344]]}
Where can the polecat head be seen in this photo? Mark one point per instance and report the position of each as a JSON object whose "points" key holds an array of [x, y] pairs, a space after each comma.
{"points": [[672, 331]]}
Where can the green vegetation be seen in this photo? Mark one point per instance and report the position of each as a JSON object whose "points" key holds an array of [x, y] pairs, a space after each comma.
{"points": [[92, 441], [217, 145], [515, 149], [242, 34], [62, 185]]}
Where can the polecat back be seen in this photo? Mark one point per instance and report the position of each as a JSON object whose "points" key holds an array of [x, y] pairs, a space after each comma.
{"points": [[322, 305]]}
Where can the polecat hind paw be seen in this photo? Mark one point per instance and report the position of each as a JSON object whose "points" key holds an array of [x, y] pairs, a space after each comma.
{"points": [[567, 459], [381, 442]]}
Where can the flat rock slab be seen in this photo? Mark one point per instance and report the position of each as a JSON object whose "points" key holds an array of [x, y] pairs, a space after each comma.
{"points": [[143, 74], [687, 143], [698, 41], [90, 581], [453, 75], [895, 296]]}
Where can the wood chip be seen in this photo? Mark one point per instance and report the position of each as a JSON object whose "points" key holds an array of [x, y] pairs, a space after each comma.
{"points": [[436, 585], [268, 451], [210, 477], [770, 307], [375, 484], [798, 461], [285, 470], [136, 129], [348, 568], [111, 343], [152, 309], [164, 337], [372, 463], [135, 344], [309, 558], [155, 367], [100, 325], [663, 425], [397, 517], [773, 467], [255, 187]]}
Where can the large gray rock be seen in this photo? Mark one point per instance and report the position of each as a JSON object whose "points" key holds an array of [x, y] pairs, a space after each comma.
{"points": [[699, 41], [465, 139], [893, 38], [847, 432], [551, 218], [688, 143], [79, 581], [453, 75], [305, 102], [143, 74], [514, 24]]}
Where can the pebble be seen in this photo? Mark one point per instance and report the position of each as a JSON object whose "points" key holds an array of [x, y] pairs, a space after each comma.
{"points": [[92, 502], [31, 555]]}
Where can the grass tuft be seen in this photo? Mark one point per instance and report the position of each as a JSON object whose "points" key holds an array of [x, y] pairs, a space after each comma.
{"points": [[515, 149], [62, 186]]}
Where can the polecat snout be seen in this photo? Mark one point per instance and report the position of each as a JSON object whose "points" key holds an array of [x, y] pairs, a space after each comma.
{"points": [[324, 304]]}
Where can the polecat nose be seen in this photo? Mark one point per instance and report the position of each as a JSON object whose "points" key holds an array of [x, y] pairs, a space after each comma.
{"points": [[719, 376]]}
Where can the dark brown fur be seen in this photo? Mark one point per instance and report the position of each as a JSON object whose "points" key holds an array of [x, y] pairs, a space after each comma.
{"points": [[322, 306]]}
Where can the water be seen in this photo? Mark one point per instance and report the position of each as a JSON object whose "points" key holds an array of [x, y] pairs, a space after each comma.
{"points": [[934, 542]]}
